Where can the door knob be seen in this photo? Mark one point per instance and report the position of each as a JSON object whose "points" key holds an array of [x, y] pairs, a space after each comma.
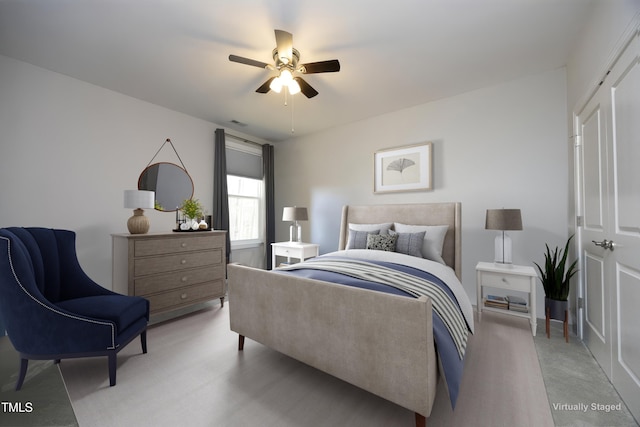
{"points": [[605, 244]]}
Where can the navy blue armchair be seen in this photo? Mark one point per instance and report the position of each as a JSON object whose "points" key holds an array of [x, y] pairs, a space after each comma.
{"points": [[52, 310]]}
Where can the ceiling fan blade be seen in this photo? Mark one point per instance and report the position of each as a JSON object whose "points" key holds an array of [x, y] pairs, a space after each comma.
{"points": [[284, 44], [265, 86], [247, 61], [306, 88], [331, 66]]}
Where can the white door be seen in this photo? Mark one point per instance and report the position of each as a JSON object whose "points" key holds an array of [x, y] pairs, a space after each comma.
{"points": [[596, 329], [610, 130]]}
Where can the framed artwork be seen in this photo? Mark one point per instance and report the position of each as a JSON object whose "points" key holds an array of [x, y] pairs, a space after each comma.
{"points": [[406, 168]]}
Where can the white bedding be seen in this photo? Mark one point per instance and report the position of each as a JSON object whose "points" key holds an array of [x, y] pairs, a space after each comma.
{"points": [[445, 273]]}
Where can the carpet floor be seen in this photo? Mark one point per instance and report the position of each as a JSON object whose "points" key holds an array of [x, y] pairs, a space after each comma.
{"points": [[193, 375]]}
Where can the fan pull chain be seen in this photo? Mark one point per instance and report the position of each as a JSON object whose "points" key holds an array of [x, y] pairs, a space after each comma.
{"points": [[292, 129]]}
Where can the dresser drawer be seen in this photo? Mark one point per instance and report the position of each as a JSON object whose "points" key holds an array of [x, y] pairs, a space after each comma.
{"points": [[171, 245], [506, 281], [185, 296], [167, 263], [169, 281]]}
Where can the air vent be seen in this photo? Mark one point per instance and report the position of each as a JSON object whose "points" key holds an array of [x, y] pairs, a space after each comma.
{"points": [[235, 122]]}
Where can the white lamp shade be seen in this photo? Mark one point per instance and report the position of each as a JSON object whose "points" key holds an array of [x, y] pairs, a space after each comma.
{"points": [[294, 87], [276, 85], [139, 199]]}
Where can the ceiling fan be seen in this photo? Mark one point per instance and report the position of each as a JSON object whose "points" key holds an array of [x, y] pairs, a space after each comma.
{"points": [[286, 63]]}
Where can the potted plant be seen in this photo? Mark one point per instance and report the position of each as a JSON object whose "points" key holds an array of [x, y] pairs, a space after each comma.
{"points": [[192, 209], [555, 278]]}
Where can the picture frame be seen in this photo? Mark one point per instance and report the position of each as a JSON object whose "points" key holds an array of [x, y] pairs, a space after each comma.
{"points": [[407, 168]]}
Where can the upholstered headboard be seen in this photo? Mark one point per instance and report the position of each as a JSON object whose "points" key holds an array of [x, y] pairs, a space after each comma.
{"points": [[414, 214]]}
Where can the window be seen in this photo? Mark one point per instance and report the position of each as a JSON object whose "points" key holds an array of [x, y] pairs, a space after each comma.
{"points": [[245, 208], [245, 188]]}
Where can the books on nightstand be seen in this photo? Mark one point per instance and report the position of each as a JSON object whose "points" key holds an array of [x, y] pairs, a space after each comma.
{"points": [[517, 304], [509, 302], [496, 302]]}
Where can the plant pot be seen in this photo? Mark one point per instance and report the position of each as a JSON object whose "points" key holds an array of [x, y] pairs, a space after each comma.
{"points": [[556, 308]]}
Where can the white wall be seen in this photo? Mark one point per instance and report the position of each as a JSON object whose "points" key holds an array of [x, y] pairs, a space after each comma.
{"points": [[503, 146], [68, 149]]}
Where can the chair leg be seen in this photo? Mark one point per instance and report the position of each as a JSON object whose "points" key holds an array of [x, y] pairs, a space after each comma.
{"points": [[113, 364], [240, 342], [143, 341], [23, 373]]}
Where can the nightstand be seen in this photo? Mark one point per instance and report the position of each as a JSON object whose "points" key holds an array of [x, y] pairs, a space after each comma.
{"points": [[512, 278], [298, 250]]}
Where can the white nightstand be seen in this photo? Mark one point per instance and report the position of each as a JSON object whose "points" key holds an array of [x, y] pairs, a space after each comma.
{"points": [[514, 278], [301, 251]]}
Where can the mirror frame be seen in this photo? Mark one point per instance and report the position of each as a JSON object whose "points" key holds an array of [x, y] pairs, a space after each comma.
{"points": [[186, 174]]}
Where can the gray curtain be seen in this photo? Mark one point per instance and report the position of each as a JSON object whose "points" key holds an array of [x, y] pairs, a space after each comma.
{"points": [[220, 193], [270, 234]]}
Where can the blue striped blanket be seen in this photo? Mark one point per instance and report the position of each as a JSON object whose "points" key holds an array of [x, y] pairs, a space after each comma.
{"points": [[450, 327]]}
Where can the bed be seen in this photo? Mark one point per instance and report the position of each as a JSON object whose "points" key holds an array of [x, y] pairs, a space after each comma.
{"points": [[378, 341]]}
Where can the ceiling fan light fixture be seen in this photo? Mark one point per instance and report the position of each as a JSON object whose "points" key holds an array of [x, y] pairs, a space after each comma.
{"points": [[294, 87], [276, 85], [286, 76], [286, 63]]}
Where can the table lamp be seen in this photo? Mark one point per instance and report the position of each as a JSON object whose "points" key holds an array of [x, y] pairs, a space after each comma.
{"points": [[138, 200], [295, 214], [503, 220]]}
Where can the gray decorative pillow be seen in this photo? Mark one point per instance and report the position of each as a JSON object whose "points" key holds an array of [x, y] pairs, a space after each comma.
{"points": [[433, 239], [358, 239], [409, 243], [382, 242]]}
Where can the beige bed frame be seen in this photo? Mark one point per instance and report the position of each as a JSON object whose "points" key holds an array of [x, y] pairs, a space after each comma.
{"points": [[379, 342]]}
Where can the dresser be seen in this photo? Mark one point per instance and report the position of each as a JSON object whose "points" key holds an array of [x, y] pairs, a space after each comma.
{"points": [[171, 270]]}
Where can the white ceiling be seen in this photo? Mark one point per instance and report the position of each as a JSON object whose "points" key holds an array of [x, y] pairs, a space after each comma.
{"points": [[393, 54]]}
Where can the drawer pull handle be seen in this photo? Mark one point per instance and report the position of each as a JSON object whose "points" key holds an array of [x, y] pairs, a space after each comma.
{"points": [[184, 261], [183, 296], [184, 244]]}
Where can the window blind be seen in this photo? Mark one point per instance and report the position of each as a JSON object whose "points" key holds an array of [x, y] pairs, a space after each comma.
{"points": [[243, 162]]}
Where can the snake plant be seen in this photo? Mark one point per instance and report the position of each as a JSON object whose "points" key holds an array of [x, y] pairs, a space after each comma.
{"points": [[554, 278]]}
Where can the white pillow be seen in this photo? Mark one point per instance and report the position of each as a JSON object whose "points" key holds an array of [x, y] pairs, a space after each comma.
{"points": [[383, 228], [433, 238]]}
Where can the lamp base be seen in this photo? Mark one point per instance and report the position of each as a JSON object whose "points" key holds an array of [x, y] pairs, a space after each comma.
{"points": [[295, 232], [138, 223], [502, 247]]}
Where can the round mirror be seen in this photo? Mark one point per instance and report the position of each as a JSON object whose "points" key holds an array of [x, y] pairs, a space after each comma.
{"points": [[172, 185]]}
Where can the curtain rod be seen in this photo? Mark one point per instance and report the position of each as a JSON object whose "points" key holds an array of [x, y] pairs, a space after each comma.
{"points": [[243, 139]]}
